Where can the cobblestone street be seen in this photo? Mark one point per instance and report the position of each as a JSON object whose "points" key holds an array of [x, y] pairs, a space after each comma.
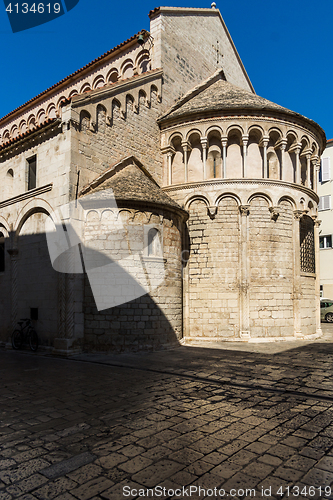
{"points": [[235, 418]]}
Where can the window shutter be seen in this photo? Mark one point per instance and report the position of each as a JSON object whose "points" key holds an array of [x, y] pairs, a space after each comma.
{"points": [[325, 169], [324, 203]]}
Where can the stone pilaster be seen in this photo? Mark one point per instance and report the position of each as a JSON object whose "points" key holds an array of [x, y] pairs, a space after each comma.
{"points": [[244, 273], [317, 223], [297, 273]]}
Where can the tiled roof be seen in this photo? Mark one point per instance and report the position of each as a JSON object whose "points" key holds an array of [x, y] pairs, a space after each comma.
{"points": [[106, 54], [130, 182], [219, 96], [28, 132]]}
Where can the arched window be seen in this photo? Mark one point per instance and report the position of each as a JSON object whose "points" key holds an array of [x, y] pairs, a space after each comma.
{"points": [[2, 253], [154, 243], [307, 245]]}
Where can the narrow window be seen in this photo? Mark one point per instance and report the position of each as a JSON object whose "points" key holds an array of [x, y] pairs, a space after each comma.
{"points": [[32, 172], [2, 253], [325, 241], [325, 169], [324, 203], [307, 245], [154, 243]]}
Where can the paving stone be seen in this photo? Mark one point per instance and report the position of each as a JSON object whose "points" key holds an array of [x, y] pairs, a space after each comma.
{"points": [[111, 460], [26, 485], [318, 477], [85, 473], [156, 473], [288, 473], [258, 469], [94, 487], [300, 463], [69, 465], [54, 488], [23, 470], [135, 464], [199, 467]]}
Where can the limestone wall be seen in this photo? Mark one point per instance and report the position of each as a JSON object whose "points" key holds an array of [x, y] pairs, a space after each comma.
{"points": [[190, 44], [153, 320]]}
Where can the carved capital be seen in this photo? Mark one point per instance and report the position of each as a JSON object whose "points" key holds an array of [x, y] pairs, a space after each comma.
{"points": [[186, 146], [275, 212], [298, 214], [316, 221], [244, 209], [204, 142], [212, 211]]}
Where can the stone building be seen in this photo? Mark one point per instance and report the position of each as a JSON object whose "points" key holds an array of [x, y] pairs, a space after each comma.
{"points": [[211, 180]]}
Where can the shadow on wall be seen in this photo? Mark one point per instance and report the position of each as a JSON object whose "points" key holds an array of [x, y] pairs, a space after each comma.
{"points": [[66, 308]]}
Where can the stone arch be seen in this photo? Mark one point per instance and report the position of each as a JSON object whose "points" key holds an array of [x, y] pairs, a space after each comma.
{"points": [[36, 205], [116, 108], [154, 95], [51, 111], [14, 132], [85, 88], [31, 122], [273, 154], [290, 157], [101, 118], [127, 69], [289, 199], [84, 120], [92, 216], [195, 157], [213, 128], [140, 217], [234, 165], [143, 97], [154, 240], [261, 195], [72, 93], [10, 173], [214, 155], [6, 136], [175, 135], [193, 131], [112, 76], [254, 159], [41, 116], [98, 82], [234, 196], [194, 198], [177, 165], [142, 61], [305, 148], [4, 226], [130, 102], [23, 126], [61, 102]]}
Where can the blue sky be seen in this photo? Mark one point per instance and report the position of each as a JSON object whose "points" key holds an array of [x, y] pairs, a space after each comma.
{"points": [[286, 48]]}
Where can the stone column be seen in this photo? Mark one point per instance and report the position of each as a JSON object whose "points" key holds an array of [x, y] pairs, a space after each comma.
{"points": [[245, 272], [314, 161], [14, 286], [308, 173], [297, 273], [283, 145], [169, 156], [224, 158], [317, 270], [264, 143], [204, 142], [185, 149], [245, 139], [298, 165]]}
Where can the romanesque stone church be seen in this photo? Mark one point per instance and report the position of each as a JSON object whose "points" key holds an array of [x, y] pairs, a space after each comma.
{"points": [[214, 187]]}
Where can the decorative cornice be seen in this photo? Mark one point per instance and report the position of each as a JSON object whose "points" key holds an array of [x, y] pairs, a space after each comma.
{"points": [[27, 195], [228, 182]]}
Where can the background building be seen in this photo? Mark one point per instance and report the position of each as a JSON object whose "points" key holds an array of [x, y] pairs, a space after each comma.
{"points": [[224, 179], [325, 192]]}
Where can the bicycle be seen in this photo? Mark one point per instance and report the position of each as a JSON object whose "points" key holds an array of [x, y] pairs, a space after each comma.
{"points": [[25, 332]]}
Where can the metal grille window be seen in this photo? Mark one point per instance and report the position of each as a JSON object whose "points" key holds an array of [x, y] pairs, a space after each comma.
{"points": [[307, 245]]}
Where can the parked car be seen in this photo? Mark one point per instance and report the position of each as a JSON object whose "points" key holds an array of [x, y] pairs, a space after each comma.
{"points": [[326, 310]]}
